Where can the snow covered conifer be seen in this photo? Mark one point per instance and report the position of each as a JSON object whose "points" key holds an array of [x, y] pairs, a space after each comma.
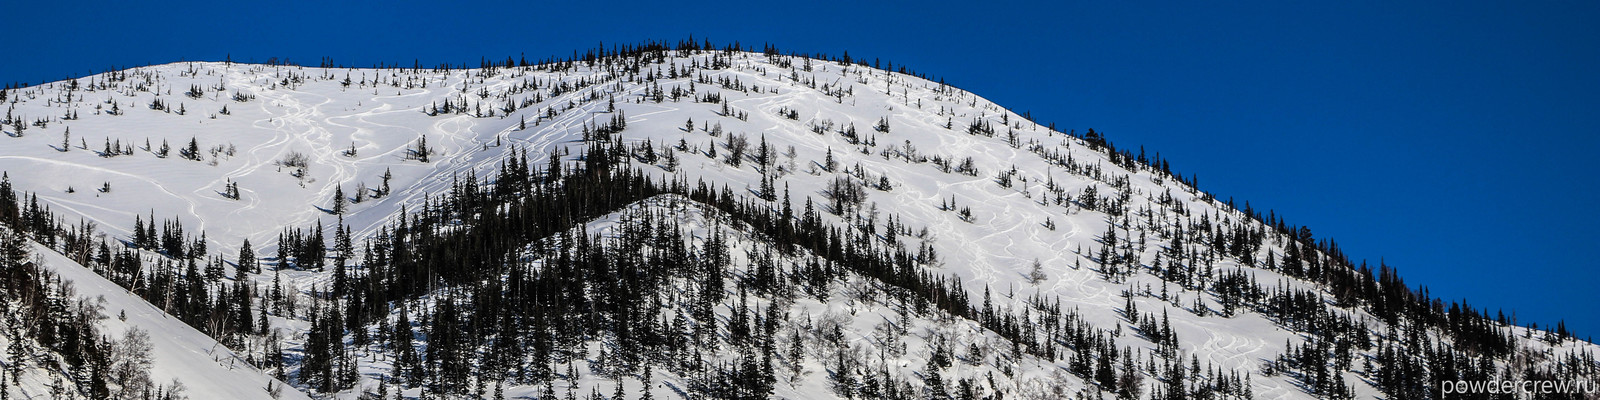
{"points": [[338, 200]]}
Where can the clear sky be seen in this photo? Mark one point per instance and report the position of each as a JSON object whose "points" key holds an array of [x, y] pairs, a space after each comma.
{"points": [[1456, 140]]}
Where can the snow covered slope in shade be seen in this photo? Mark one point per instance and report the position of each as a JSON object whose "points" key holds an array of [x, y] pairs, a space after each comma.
{"points": [[871, 322], [207, 369]]}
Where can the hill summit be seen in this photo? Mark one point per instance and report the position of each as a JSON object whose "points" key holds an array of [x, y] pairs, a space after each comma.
{"points": [[671, 221]]}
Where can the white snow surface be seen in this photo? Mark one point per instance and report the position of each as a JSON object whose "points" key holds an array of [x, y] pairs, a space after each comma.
{"points": [[310, 111], [207, 369]]}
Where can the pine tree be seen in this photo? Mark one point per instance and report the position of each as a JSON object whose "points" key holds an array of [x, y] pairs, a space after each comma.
{"points": [[386, 176], [1130, 383], [764, 154], [214, 269], [342, 250], [644, 381], [422, 151], [669, 159], [315, 250], [402, 339], [934, 382], [139, 238], [338, 200], [192, 152], [767, 191], [1104, 374], [277, 290]]}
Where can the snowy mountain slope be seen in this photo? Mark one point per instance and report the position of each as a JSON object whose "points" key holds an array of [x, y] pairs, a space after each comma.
{"points": [[206, 369], [1066, 197], [864, 319], [183, 362]]}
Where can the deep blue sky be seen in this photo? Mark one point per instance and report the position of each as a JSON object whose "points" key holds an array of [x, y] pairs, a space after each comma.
{"points": [[1457, 140]]}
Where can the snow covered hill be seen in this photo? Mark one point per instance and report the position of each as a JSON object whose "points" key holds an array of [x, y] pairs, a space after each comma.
{"points": [[1072, 252], [180, 356]]}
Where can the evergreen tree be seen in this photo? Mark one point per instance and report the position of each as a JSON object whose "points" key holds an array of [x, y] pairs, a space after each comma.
{"points": [[402, 339], [421, 151], [342, 250], [934, 381], [192, 152], [386, 176], [338, 200]]}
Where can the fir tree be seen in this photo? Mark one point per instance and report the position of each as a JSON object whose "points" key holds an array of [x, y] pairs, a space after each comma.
{"points": [[421, 151], [386, 176], [338, 200], [192, 152]]}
